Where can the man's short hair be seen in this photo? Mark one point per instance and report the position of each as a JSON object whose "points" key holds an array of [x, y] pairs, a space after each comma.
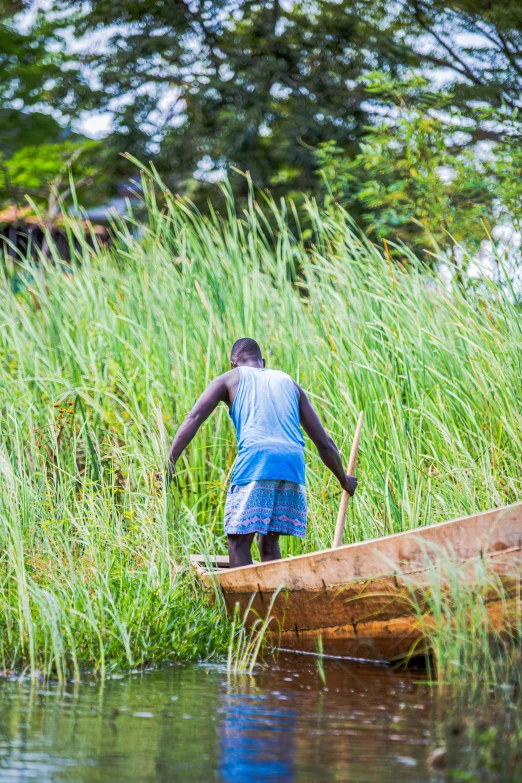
{"points": [[245, 348]]}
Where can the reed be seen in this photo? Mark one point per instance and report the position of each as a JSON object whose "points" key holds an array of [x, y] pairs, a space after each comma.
{"points": [[100, 361], [246, 646], [475, 663], [471, 620]]}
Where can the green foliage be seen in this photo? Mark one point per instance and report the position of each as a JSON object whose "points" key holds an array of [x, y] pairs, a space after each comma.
{"points": [[37, 153], [29, 76], [252, 85], [100, 365], [411, 182], [263, 87], [259, 86], [506, 169], [418, 179], [30, 169], [39, 171], [246, 646]]}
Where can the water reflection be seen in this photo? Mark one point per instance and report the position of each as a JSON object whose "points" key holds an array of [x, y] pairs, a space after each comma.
{"points": [[257, 737], [194, 723]]}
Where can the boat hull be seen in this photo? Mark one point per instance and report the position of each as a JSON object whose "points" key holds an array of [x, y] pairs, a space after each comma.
{"points": [[358, 598]]}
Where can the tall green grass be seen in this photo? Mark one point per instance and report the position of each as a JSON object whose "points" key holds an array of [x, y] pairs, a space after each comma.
{"points": [[471, 620], [100, 362]]}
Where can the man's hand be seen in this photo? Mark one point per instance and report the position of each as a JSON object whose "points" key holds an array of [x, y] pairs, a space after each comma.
{"points": [[171, 475], [349, 484]]}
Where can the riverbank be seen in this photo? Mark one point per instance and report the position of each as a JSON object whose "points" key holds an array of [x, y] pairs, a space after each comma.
{"points": [[99, 364]]}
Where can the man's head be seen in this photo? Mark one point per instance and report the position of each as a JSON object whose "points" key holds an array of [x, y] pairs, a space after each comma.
{"points": [[246, 351]]}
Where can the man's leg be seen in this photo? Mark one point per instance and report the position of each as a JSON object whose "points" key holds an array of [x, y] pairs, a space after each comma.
{"points": [[269, 546], [239, 549]]}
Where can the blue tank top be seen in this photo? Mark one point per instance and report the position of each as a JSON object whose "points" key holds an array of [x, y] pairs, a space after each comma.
{"points": [[266, 416]]}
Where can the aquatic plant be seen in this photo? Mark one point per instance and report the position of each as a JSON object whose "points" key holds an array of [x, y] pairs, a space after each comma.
{"points": [[100, 361], [248, 644], [319, 661], [471, 620]]}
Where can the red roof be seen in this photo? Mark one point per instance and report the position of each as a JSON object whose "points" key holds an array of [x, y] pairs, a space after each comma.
{"points": [[15, 214]]}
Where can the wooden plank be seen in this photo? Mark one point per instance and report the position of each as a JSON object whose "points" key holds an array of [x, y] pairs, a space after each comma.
{"points": [[380, 640], [218, 561], [356, 602], [356, 597], [494, 531]]}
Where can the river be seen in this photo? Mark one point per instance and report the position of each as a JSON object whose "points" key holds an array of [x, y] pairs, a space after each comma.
{"points": [[196, 723]]}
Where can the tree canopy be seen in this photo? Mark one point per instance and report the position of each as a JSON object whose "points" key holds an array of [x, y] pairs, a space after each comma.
{"points": [[207, 86], [259, 85]]}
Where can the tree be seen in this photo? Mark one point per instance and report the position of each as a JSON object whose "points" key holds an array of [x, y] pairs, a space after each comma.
{"points": [[411, 182], [37, 152], [29, 78], [46, 172], [208, 85], [238, 84], [477, 44], [416, 180], [203, 86]]}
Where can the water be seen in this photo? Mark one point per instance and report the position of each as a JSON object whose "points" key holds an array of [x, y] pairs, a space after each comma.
{"points": [[195, 723]]}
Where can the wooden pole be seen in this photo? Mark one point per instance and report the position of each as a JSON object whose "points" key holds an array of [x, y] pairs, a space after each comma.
{"points": [[341, 516]]}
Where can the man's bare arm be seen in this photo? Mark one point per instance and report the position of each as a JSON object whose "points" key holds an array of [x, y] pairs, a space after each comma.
{"points": [[216, 392], [327, 449]]}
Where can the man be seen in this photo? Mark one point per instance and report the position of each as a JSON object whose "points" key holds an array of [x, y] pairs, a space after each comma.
{"points": [[267, 493]]}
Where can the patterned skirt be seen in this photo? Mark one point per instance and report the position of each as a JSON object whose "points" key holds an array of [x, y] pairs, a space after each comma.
{"points": [[266, 507]]}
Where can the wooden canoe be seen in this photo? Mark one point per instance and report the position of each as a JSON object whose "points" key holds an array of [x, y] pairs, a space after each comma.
{"points": [[358, 597]]}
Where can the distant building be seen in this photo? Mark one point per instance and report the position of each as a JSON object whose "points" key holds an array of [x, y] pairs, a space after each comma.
{"points": [[22, 232]]}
